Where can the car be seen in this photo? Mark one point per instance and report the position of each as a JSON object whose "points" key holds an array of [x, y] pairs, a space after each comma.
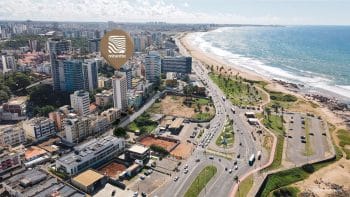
{"points": [[142, 177], [302, 137], [235, 163], [135, 194], [240, 143], [211, 157], [186, 171], [176, 178], [303, 141], [238, 156], [230, 171], [311, 133], [186, 166], [324, 134], [236, 167], [225, 168], [198, 160], [289, 136], [143, 194]]}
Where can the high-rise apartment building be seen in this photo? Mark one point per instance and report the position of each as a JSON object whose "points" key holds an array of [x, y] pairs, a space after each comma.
{"points": [[119, 83], [178, 64], [90, 67], [80, 102], [153, 66]]}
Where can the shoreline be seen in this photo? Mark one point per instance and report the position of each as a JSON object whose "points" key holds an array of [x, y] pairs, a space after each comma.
{"points": [[328, 106]]}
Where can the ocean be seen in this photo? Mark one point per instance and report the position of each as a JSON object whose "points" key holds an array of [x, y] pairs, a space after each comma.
{"points": [[315, 56]]}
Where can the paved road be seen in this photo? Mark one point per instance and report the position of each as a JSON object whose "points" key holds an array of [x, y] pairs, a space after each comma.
{"points": [[222, 183]]}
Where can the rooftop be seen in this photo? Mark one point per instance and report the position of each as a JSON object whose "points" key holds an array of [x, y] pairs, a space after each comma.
{"points": [[176, 123], [88, 178], [18, 100], [138, 149]]}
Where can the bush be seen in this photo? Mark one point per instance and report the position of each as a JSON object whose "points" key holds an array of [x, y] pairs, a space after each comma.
{"points": [[119, 132], [308, 168], [159, 149]]}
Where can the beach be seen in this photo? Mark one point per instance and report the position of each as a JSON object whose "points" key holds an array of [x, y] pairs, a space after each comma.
{"points": [[305, 104]]}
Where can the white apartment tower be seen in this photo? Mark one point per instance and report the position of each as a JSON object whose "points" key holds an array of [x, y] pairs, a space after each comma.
{"points": [[120, 98], [80, 102]]}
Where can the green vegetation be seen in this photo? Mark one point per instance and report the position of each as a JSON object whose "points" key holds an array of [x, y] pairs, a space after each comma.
{"points": [[156, 108], [159, 149], [344, 141], [22, 40], [45, 99], [275, 123], [201, 181], [143, 123], [238, 91], [119, 132], [281, 100], [60, 174], [308, 148], [286, 191], [203, 116], [245, 186], [226, 137]]}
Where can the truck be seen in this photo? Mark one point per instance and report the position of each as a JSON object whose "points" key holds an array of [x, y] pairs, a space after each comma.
{"points": [[233, 110], [251, 159], [259, 155]]}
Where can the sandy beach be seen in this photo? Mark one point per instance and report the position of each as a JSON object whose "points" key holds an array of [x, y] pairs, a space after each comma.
{"points": [[305, 104]]}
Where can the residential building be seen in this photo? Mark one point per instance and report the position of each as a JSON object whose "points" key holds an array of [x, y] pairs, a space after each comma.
{"points": [[104, 82], [128, 74], [111, 114], [99, 124], [9, 159], [153, 66], [35, 182], [55, 48], [178, 64], [90, 154], [71, 75], [80, 102], [90, 67], [39, 128], [94, 45], [105, 98], [12, 135], [77, 128], [7, 63], [119, 84], [14, 109]]}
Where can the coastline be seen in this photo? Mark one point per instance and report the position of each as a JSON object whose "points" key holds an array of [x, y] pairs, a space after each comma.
{"points": [[336, 118]]}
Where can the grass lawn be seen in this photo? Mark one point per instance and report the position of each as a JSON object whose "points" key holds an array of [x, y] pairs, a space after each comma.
{"points": [[245, 186], [204, 116], [227, 134], [281, 99], [238, 91], [143, 124], [156, 108], [344, 141], [202, 101], [201, 181], [308, 149], [275, 123]]}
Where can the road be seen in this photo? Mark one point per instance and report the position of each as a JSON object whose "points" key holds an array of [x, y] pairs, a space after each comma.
{"points": [[222, 183]]}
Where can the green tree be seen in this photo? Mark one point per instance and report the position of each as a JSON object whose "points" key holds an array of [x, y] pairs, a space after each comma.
{"points": [[119, 132]]}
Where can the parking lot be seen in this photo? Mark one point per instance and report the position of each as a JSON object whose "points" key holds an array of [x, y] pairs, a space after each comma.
{"points": [[306, 138], [148, 184]]}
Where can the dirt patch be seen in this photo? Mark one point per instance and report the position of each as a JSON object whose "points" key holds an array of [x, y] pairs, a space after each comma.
{"points": [[182, 151], [112, 170], [148, 141], [323, 182]]}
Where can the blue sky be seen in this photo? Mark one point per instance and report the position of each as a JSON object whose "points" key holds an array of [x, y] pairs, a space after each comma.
{"points": [[284, 12]]}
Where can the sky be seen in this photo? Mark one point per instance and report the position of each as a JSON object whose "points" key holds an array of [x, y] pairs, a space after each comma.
{"points": [[279, 12]]}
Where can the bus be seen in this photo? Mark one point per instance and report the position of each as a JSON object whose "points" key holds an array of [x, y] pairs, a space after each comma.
{"points": [[233, 110], [251, 160]]}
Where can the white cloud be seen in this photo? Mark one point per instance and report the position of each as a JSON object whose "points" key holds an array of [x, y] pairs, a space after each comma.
{"points": [[117, 10]]}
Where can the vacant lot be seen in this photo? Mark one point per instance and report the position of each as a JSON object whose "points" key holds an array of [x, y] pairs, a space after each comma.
{"points": [[167, 145], [196, 108], [183, 150], [112, 170]]}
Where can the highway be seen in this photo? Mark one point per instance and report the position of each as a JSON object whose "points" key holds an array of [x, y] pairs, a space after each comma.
{"points": [[221, 184]]}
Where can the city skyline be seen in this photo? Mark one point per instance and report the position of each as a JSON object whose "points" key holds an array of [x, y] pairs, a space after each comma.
{"points": [[264, 12]]}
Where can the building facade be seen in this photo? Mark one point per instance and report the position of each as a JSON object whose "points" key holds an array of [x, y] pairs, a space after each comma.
{"points": [[153, 67], [119, 84], [90, 154], [177, 65], [80, 102], [77, 129], [12, 135], [39, 128], [9, 159]]}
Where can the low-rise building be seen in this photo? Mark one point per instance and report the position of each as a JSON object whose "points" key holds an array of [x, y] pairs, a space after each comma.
{"points": [[12, 135], [104, 82], [39, 128], [112, 114], [77, 128], [138, 152], [99, 124], [105, 98], [14, 110], [9, 159], [90, 154], [34, 182], [89, 181]]}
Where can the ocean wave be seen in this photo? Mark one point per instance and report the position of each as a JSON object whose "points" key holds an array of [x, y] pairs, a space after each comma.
{"points": [[313, 80]]}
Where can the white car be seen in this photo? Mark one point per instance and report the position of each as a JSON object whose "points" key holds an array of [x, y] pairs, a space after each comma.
{"points": [[236, 167], [176, 178], [230, 171]]}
